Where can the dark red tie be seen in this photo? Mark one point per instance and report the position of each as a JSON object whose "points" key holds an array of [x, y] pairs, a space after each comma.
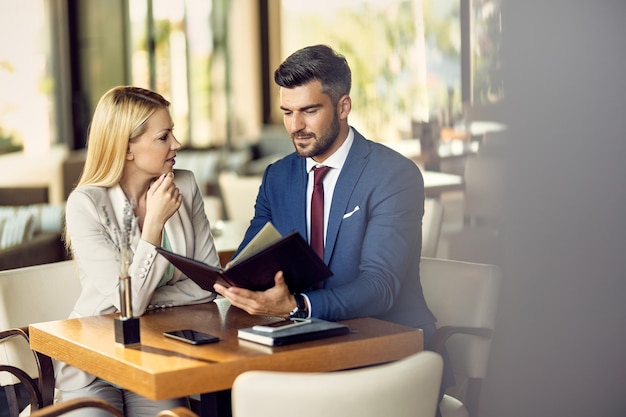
{"points": [[317, 211]]}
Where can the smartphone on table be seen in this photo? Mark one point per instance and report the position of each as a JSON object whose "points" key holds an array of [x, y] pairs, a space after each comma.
{"points": [[280, 325], [191, 336]]}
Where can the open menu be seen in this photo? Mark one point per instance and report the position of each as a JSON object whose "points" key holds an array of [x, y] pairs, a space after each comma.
{"points": [[255, 266]]}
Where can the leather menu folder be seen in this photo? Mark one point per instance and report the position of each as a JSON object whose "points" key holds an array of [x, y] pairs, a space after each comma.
{"points": [[291, 254]]}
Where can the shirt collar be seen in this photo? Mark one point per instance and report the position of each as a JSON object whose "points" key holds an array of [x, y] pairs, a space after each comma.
{"points": [[337, 159]]}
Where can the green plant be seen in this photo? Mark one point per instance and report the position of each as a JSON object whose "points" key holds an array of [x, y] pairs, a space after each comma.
{"points": [[7, 143]]}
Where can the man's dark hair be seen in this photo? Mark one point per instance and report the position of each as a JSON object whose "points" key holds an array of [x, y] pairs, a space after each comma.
{"points": [[318, 62]]}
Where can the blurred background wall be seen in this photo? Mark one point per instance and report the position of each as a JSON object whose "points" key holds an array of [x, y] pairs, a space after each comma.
{"points": [[560, 345]]}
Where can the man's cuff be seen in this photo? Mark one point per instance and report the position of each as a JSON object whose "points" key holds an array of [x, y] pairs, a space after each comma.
{"points": [[308, 305]]}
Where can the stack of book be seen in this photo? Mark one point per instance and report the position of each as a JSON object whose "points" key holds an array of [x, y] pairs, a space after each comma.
{"points": [[315, 329]]}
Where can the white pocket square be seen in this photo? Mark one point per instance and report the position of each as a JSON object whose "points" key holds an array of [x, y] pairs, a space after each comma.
{"points": [[345, 216]]}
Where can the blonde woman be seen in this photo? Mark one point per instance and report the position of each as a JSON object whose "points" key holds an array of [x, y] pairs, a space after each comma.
{"points": [[131, 153]]}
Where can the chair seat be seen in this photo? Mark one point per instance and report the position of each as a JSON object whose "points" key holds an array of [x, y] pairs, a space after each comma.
{"points": [[451, 407]]}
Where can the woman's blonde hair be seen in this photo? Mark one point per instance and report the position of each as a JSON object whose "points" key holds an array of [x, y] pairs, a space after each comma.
{"points": [[120, 117]]}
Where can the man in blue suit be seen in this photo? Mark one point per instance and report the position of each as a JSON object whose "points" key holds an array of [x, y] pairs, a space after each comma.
{"points": [[374, 203]]}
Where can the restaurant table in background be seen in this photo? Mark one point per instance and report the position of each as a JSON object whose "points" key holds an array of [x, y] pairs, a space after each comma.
{"points": [[161, 368], [475, 132], [449, 156], [451, 146], [480, 128], [436, 183]]}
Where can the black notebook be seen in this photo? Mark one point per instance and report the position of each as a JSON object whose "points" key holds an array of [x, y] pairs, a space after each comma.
{"points": [[317, 329], [290, 253]]}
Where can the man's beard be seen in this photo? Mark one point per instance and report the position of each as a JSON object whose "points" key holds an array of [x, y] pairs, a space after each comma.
{"points": [[320, 144]]}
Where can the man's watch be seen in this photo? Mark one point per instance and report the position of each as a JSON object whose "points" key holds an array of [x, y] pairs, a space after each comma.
{"points": [[300, 312]]}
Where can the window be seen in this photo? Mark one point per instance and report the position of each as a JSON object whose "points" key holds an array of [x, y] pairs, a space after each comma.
{"points": [[172, 49], [487, 82], [404, 55], [27, 103]]}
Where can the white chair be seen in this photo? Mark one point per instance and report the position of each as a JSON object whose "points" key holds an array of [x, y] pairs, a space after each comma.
{"points": [[239, 195], [31, 295], [475, 244], [405, 388], [478, 237], [213, 208], [38, 293], [482, 197], [463, 296], [431, 226]]}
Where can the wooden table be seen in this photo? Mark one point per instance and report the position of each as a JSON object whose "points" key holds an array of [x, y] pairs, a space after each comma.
{"points": [[161, 368]]}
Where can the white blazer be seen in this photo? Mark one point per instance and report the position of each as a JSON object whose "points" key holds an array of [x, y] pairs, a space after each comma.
{"points": [[92, 216]]}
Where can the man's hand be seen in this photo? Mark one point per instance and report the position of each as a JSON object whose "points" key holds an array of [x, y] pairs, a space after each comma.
{"points": [[276, 301]]}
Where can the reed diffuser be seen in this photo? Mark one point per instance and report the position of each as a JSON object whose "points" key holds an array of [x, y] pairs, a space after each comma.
{"points": [[127, 331]]}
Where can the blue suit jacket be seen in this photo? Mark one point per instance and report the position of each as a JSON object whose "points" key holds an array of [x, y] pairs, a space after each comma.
{"points": [[374, 232]]}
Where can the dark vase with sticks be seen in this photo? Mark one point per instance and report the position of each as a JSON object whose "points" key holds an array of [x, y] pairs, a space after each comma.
{"points": [[127, 329]]}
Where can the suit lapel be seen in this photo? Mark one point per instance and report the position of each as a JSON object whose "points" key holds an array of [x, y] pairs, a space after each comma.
{"points": [[176, 235], [175, 228], [115, 211], [350, 173], [298, 196]]}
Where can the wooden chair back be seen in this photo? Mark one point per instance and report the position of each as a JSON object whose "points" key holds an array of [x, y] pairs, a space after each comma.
{"points": [[65, 407]]}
